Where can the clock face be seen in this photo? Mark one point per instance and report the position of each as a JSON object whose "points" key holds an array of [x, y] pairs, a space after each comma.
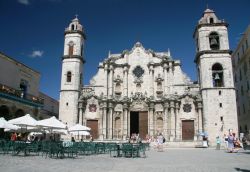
{"points": [[138, 71]]}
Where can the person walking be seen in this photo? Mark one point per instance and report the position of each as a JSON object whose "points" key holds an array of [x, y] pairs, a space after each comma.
{"points": [[231, 140], [160, 142]]}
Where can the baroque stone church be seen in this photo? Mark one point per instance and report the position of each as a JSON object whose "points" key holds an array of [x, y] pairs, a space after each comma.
{"points": [[144, 91]]}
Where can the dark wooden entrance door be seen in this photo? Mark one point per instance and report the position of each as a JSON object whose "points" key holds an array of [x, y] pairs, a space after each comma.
{"points": [[188, 130], [93, 124], [139, 123], [143, 124]]}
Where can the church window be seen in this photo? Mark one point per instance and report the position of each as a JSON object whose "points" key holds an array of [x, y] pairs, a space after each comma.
{"points": [[211, 20], [219, 93], [69, 75], [72, 27], [138, 71], [214, 41], [67, 104], [71, 49], [220, 104], [242, 90], [217, 73], [221, 118], [240, 75]]}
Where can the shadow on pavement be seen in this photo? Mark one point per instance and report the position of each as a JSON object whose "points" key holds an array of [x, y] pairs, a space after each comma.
{"points": [[240, 169]]}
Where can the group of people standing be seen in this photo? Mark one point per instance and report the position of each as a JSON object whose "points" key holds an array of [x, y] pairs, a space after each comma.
{"points": [[232, 144]]}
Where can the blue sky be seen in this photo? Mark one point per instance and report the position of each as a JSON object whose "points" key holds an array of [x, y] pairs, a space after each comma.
{"points": [[32, 31]]}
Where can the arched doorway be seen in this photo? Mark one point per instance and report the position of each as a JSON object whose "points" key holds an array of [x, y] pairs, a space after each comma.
{"points": [[19, 113], [4, 112]]}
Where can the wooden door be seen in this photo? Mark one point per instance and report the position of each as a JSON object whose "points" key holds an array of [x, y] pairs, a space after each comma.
{"points": [[143, 124], [93, 124], [188, 130]]}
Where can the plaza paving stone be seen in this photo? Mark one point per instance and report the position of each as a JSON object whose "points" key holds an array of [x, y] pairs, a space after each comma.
{"points": [[172, 160]]}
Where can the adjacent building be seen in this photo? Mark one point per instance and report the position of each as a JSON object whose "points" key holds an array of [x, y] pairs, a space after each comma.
{"points": [[146, 92], [241, 66], [19, 91]]}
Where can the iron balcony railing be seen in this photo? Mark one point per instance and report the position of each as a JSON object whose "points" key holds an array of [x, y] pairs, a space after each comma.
{"points": [[20, 94]]}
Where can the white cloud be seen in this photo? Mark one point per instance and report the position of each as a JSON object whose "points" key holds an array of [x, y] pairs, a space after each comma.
{"points": [[36, 53], [24, 2]]}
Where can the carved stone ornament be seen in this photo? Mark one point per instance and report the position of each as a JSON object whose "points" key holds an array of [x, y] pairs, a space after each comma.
{"points": [[138, 81], [92, 108], [118, 79], [138, 96], [187, 107], [86, 93], [159, 78]]}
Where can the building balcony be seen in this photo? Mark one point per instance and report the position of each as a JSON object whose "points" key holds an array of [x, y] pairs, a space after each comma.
{"points": [[18, 95]]}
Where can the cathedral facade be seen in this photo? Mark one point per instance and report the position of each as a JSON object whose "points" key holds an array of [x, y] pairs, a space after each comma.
{"points": [[146, 92]]}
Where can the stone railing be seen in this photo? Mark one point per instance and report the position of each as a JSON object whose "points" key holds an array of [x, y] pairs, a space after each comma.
{"points": [[19, 93]]}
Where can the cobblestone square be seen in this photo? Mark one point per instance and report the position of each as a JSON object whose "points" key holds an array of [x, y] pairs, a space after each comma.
{"points": [[172, 160]]}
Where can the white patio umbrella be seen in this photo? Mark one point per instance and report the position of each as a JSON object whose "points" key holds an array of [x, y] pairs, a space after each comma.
{"points": [[4, 124], [25, 120], [80, 133], [79, 130], [51, 124], [79, 127], [24, 129]]}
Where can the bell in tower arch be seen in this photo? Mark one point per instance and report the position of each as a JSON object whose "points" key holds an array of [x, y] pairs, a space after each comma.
{"points": [[214, 41]]}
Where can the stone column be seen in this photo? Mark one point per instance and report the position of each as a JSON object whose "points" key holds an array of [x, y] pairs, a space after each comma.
{"points": [[125, 81], [125, 121], [110, 125], [177, 122], [165, 119], [106, 80], [84, 120], [104, 120], [171, 72], [165, 75], [80, 113], [110, 84], [151, 72], [200, 126], [151, 119], [172, 119]]}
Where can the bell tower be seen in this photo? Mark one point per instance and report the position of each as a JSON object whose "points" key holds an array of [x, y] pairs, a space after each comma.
{"points": [[215, 76], [72, 67]]}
